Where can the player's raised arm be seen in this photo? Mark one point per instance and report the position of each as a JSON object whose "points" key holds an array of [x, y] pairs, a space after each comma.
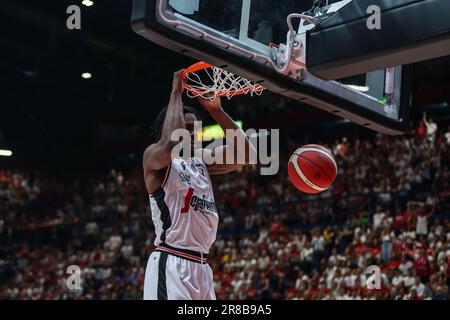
{"points": [[424, 119], [241, 152], [158, 155]]}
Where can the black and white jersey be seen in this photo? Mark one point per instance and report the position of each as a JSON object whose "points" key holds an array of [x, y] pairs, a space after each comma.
{"points": [[183, 209]]}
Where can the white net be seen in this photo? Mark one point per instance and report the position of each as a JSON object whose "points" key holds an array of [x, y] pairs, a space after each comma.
{"points": [[219, 83]]}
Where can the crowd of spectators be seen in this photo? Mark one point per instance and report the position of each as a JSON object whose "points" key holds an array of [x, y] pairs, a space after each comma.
{"points": [[389, 207]]}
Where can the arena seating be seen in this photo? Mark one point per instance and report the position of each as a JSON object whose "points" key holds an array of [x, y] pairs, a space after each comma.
{"points": [[389, 206]]}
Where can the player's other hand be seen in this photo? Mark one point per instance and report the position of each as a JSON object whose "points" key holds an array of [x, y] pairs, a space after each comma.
{"points": [[211, 106], [178, 82]]}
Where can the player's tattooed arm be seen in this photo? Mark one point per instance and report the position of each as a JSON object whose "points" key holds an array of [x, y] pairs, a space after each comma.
{"points": [[240, 147], [158, 155]]}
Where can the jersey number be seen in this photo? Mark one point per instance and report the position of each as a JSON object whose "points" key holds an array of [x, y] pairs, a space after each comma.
{"points": [[187, 201]]}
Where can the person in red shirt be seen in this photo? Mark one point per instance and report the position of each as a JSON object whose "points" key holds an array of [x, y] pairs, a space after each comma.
{"points": [[413, 295], [408, 220], [292, 292], [400, 222], [393, 264], [421, 130], [276, 228], [422, 265]]}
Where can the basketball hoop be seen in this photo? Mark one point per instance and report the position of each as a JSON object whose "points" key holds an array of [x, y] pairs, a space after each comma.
{"points": [[209, 82]]}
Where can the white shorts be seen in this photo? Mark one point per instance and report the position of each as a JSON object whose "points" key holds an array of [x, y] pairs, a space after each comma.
{"points": [[169, 277]]}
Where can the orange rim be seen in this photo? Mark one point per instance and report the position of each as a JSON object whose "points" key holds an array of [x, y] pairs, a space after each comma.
{"points": [[195, 68], [204, 65]]}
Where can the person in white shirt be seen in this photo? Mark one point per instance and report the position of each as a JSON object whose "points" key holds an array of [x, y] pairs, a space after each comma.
{"points": [[350, 279], [333, 257], [342, 295], [127, 250], [447, 136], [422, 223], [378, 218], [431, 128], [409, 280], [397, 279], [405, 265], [419, 287]]}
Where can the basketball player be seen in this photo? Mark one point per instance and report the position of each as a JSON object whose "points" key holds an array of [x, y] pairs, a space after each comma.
{"points": [[182, 203]]}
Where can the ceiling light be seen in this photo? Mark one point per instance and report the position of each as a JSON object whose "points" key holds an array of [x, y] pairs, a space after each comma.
{"points": [[87, 3], [5, 153], [86, 75]]}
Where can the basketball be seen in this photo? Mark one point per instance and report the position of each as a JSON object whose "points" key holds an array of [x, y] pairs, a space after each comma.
{"points": [[312, 169]]}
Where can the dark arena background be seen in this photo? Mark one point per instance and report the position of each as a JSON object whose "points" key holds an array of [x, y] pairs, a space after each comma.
{"points": [[76, 114]]}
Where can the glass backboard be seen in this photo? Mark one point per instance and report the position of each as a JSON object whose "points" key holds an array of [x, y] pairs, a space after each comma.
{"points": [[248, 36]]}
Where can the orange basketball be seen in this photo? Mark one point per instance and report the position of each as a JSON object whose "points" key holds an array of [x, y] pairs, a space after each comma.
{"points": [[312, 169]]}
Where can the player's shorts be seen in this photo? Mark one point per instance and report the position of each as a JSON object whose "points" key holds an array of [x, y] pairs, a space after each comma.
{"points": [[174, 274]]}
